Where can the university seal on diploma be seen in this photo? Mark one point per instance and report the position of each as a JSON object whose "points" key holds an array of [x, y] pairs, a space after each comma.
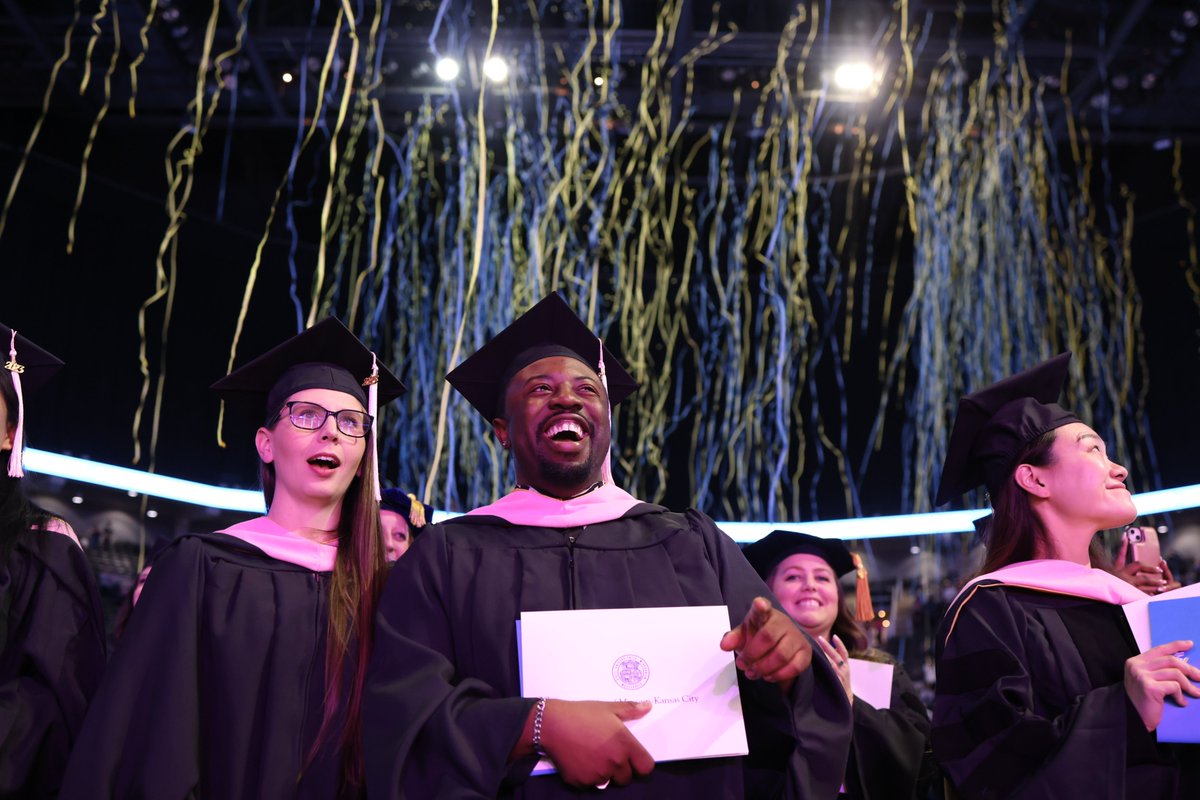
{"points": [[631, 672]]}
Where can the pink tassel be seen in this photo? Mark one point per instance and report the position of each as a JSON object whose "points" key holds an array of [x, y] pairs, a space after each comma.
{"points": [[373, 409], [15, 468], [606, 469]]}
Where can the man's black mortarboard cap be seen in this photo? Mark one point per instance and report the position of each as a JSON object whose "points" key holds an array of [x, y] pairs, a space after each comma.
{"points": [[548, 329], [994, 423], [27, 367], [765, 554], [326, 356], [417, 513]]}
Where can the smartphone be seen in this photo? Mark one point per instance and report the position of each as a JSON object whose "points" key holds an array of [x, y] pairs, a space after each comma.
{"points": [[1143, 545]]}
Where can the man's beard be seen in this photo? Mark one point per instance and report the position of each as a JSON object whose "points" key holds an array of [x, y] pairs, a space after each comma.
{"points": [[557, 474]]}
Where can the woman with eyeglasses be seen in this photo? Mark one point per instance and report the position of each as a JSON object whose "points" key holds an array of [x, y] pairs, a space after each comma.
{"points": [[239, 674]]}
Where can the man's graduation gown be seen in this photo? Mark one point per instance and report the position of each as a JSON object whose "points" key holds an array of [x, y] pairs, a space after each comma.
{"points": [[216, 687], [443, 710], [52, 659], [1031, 700]]}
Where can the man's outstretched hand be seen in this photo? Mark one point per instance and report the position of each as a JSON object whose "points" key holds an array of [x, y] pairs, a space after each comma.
{"points": [[768, 645]]}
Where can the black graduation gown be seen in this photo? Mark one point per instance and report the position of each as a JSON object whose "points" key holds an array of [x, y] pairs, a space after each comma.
{"points": [[215, 689], [52, 659], [889, 745], [1031, 701], [443, 709], [886, 754]]}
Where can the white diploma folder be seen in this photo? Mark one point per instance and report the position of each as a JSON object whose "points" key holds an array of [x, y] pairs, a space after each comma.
{"points": [[669, 656]]}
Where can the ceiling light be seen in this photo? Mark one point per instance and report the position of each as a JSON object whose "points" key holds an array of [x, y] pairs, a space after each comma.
{"points": [[495, 69], [854, 76], [447, 69], [152, 513], [76, 499], [287, 77], [599, 81]]}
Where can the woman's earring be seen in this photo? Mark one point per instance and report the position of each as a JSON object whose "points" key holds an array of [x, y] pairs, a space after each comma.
{"points": [[504, 444]]}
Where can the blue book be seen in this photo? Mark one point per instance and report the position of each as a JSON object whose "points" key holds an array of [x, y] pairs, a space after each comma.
{"points": [[1171, 620]]}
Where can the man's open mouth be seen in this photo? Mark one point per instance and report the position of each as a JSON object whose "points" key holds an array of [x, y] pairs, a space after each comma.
{"points": [[566, 430]]}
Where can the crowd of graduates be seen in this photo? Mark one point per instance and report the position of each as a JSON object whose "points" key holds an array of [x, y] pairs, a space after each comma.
{"points": [[297, 654]]}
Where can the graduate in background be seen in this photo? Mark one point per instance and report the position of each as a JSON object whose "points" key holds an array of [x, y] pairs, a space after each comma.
{"points": [[889, 745], [52, 649], [239, 674], [403, 517], [1041, 692], [443, 713]]}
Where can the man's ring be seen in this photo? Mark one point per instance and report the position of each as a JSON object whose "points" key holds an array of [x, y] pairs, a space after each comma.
{"points": [[841, 663]]}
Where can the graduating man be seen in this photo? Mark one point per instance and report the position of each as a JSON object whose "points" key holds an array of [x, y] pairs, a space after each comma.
{"points": [[443, 711]]}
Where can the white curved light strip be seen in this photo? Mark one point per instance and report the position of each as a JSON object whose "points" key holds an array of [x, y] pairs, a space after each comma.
{"points": [[136, 480], [201, 494]]}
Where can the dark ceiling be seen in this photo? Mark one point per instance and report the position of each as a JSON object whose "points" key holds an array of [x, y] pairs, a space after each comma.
{"points": [[1137, 58]]}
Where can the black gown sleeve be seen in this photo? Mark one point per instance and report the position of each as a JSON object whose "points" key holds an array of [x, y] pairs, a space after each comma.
{"points": [[989, 734], [814, 717], [889, 744], [426, 731], [141, 737], [52, 661]]}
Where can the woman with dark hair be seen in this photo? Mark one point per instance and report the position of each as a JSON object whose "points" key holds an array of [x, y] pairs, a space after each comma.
{"points": [[240, 672], [1041, 691], [889, 744], [51, 624]]}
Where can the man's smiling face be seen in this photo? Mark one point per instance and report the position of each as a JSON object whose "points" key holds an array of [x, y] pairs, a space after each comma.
{"points": [[556, 421]]}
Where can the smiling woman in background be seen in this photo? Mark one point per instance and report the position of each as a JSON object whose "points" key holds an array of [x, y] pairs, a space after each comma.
{"points": [[240, 672], [889, 744]]}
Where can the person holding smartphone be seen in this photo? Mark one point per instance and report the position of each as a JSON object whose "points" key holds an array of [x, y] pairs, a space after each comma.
{"points": [[1140, 563]]}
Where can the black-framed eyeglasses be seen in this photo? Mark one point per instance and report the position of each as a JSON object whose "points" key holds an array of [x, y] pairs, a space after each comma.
{"points": [[310, 417]]}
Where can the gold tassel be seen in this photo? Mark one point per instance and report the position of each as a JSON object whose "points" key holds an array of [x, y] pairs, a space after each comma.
{"points": [[863, 610]]}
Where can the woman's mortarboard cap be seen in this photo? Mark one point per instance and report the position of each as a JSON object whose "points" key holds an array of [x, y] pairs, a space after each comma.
{"points": [[768, 552], [28, 367], [995, 423], [407, 505], [548, 329], [765, 554], [32, 363], [326, 356]]}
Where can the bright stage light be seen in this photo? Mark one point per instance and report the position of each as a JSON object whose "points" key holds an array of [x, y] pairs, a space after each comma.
{"points": [[854, 76], [447, 69], [495, 69]]}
